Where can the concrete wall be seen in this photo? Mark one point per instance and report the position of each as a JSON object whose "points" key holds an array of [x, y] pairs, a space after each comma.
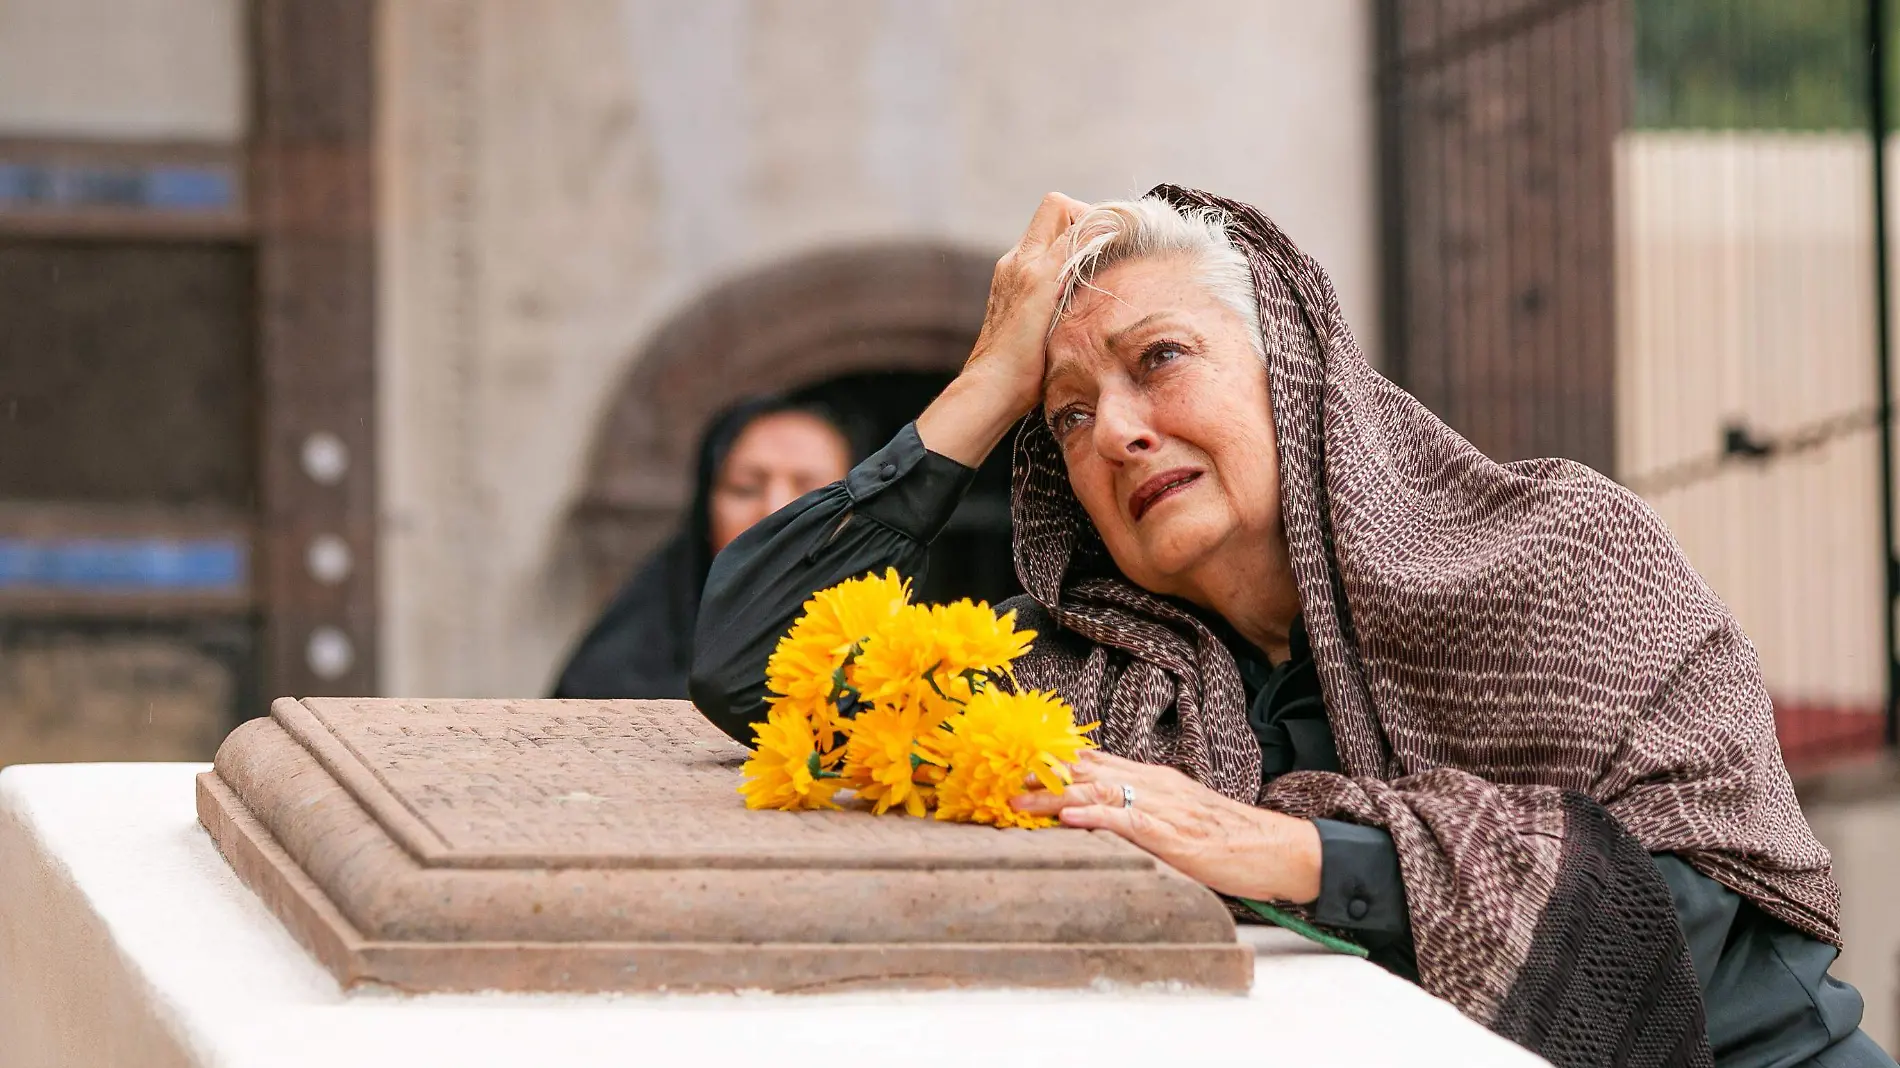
{"points": [[82, 1004], [129, 69], [559, 177]]}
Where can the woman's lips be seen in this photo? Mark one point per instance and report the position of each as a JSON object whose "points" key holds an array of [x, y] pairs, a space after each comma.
{"points": [[1159, 488]]}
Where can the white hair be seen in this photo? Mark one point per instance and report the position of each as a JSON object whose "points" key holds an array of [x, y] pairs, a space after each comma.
{"points": [[1118, 231]]}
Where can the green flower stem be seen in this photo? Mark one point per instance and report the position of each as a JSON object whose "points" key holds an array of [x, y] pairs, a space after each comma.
{"points": [[1302, 928], [930, 677], [817, 770]]}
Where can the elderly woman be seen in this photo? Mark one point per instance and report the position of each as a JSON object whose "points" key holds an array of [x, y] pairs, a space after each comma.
{"points": [[1483, 719]]}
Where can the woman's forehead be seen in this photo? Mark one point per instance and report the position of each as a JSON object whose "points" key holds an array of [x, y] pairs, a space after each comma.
{"points": [[796, 434], [1129, 297]]}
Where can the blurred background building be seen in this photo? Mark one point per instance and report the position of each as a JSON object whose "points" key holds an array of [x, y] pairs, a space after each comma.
{"points": [[360, 348]]}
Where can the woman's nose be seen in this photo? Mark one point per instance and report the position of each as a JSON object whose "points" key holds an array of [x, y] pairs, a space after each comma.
{"points": [[1121, 429]]}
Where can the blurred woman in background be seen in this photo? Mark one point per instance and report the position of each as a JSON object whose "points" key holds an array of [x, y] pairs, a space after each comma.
{"points": [[755, 457]]}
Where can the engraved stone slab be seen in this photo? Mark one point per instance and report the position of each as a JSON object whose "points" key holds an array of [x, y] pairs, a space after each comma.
{"points": [[585, 845]]}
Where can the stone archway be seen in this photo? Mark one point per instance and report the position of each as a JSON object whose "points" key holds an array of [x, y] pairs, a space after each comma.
{"points": [[909, 307]]}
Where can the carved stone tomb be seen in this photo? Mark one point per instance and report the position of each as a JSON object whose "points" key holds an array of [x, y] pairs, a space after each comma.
{"points": [[585, 845]]}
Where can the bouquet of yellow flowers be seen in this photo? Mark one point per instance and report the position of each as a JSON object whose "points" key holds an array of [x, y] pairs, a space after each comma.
{"points": [[904, 705]]}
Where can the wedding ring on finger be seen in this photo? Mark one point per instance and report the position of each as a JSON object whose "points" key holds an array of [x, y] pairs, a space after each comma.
{"points": [[1128, 796]]}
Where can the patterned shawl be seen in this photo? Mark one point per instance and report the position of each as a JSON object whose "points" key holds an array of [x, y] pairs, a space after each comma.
{"points": [[1529, 688]]}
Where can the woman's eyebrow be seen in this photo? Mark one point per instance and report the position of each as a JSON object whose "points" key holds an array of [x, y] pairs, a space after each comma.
{"points": [[1115, 340], [1058, 370]]}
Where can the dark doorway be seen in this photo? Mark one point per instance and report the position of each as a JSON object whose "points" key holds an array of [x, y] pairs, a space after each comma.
{"points": [[874, 331], [972, 556]]}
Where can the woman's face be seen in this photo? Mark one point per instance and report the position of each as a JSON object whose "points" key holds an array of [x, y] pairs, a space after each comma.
{"points": [[1164, 418], [776, 459]]}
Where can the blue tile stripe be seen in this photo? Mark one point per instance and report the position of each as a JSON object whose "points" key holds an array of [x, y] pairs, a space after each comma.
{"points": [[124, 565], [170, 187]]}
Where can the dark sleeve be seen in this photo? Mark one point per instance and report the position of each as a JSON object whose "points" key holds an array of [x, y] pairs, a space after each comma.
{"points": [[1766, 990], [1705, 908], [1362, 893], [885, 513]]}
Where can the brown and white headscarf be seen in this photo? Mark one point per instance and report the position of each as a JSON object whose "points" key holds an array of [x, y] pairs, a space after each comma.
{"points": [[1528, 685]]}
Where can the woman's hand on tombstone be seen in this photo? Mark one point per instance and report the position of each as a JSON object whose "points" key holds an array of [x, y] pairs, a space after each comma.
{"points": [[1002, 380], [1229, 847]]}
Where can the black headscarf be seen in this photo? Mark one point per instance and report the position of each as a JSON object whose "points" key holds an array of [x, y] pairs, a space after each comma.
{"points": [[642, 644]]}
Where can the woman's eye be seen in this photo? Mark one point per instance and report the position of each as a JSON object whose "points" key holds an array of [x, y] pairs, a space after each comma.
{"points": [[1066, 420], [1163, 353]]}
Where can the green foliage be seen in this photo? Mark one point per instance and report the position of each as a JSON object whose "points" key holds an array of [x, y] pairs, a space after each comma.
{"points": [[1752, 64]]}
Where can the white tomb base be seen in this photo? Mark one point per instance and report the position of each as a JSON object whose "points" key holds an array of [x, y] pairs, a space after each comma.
{"points": [[126, 940]]}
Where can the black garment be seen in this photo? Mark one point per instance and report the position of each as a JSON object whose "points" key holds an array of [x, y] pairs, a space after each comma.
{"points": [[1361, 891], [1769, 999], [885, 513], [641, 646], [1284, 705], [1765, 988]]}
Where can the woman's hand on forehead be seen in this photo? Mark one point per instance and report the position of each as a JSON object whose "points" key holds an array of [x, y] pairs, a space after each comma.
{"points": [[1002, 380]]}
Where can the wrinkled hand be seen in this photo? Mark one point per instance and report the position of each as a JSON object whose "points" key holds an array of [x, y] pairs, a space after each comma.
{"points": [[1009, 350], [1002, 380], [1229, 847]]}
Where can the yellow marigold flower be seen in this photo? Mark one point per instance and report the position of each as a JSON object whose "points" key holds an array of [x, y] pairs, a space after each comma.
{"points": [[877, 759], [994, 745], [926, 652], [802, 668], [972, 637], [786, 771], [898, 665]]}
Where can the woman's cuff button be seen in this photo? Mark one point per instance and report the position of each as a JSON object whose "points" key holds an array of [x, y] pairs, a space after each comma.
{"points": [[1357, 908], [887, 471]]}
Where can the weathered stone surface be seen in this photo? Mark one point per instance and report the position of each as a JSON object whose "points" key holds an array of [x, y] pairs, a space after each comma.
{"points": [[573, 845]]}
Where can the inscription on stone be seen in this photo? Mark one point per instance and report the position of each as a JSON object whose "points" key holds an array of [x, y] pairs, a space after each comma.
{"points": [[556, 845], [635, 784]]}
